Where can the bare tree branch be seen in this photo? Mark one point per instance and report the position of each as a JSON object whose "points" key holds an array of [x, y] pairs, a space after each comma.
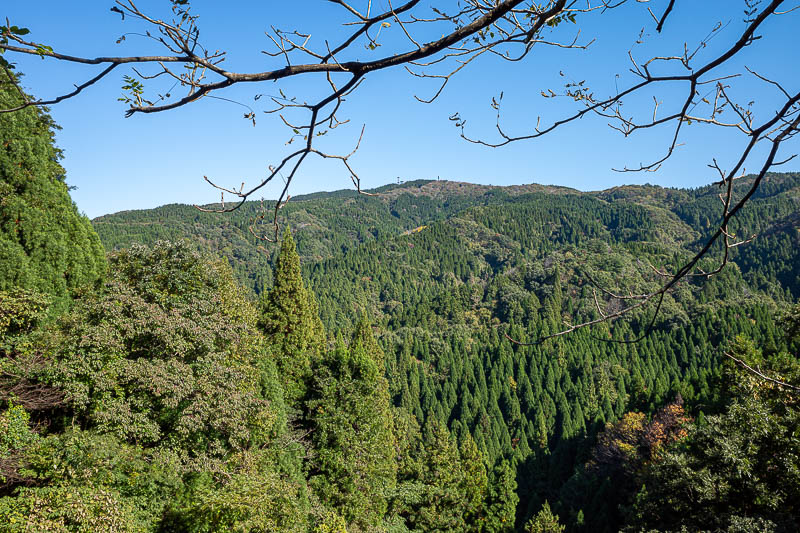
{"points": [[760, 374], [504, 29]]}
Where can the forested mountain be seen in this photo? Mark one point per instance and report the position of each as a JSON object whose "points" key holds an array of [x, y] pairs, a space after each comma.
{"points": [[329, 224], [379, 369], [325, 224], [446, 270]]}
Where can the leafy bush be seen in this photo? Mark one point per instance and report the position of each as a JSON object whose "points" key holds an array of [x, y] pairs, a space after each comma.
{"points": [[165, 356]]}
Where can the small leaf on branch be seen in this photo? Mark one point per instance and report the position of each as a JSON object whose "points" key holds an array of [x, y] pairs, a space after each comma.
{"points": [[42, 49]]}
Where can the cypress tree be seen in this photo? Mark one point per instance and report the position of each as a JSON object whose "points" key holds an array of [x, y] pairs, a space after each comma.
{"points": [[45, 243], [353, 434], [544, 522], [501, 505], [474, 481], [363, 337], [290, 321], [441, 504]]}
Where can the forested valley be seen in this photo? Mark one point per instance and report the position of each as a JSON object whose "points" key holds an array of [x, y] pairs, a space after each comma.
{"points": [[378, 368]]}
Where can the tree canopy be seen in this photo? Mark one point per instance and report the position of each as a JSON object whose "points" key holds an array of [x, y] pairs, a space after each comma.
{"points": [[46, 245]]}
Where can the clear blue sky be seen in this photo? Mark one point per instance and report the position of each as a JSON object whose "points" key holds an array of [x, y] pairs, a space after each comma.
{"points": [[151, 160]]}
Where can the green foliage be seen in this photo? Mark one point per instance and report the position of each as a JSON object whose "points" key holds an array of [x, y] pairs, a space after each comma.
{"points": [[790, 324], [331, 523], [474, 485], [439, 505], [439, 487], [256, 498], [16, 436], [21, 310], [446, 270], [189, 410], [742, 464], [177, 407], [738, 470], [352, 435], [501, 501], [142, 480], [81, 509], [164, 355], [326, 224], [290, 322], [544, 522], [45, 244], [15, 432], [614, 471]]}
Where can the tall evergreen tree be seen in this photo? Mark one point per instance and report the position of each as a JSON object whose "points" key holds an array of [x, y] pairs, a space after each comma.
{"points": [[355, 464], [290, 321], [501, 504], [473, 483], [363, 336], [544, 522], [441, 506], [45, 244]]}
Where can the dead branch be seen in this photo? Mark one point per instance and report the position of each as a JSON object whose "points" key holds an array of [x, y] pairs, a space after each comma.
{"points": [[760, 374]]}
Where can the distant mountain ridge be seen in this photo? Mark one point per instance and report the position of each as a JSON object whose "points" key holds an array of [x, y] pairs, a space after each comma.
{"points": [[330, 223]]}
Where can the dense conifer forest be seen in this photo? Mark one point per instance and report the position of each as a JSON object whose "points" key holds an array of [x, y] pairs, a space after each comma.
{"points": [[378, 368]]}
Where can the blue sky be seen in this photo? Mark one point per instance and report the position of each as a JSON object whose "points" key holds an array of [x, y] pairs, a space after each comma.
{"points": [[150, 160]]}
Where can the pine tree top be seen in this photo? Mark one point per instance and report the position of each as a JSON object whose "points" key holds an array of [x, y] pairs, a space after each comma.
{"points": [[287, 267], [290, 320], [363, 337]]}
